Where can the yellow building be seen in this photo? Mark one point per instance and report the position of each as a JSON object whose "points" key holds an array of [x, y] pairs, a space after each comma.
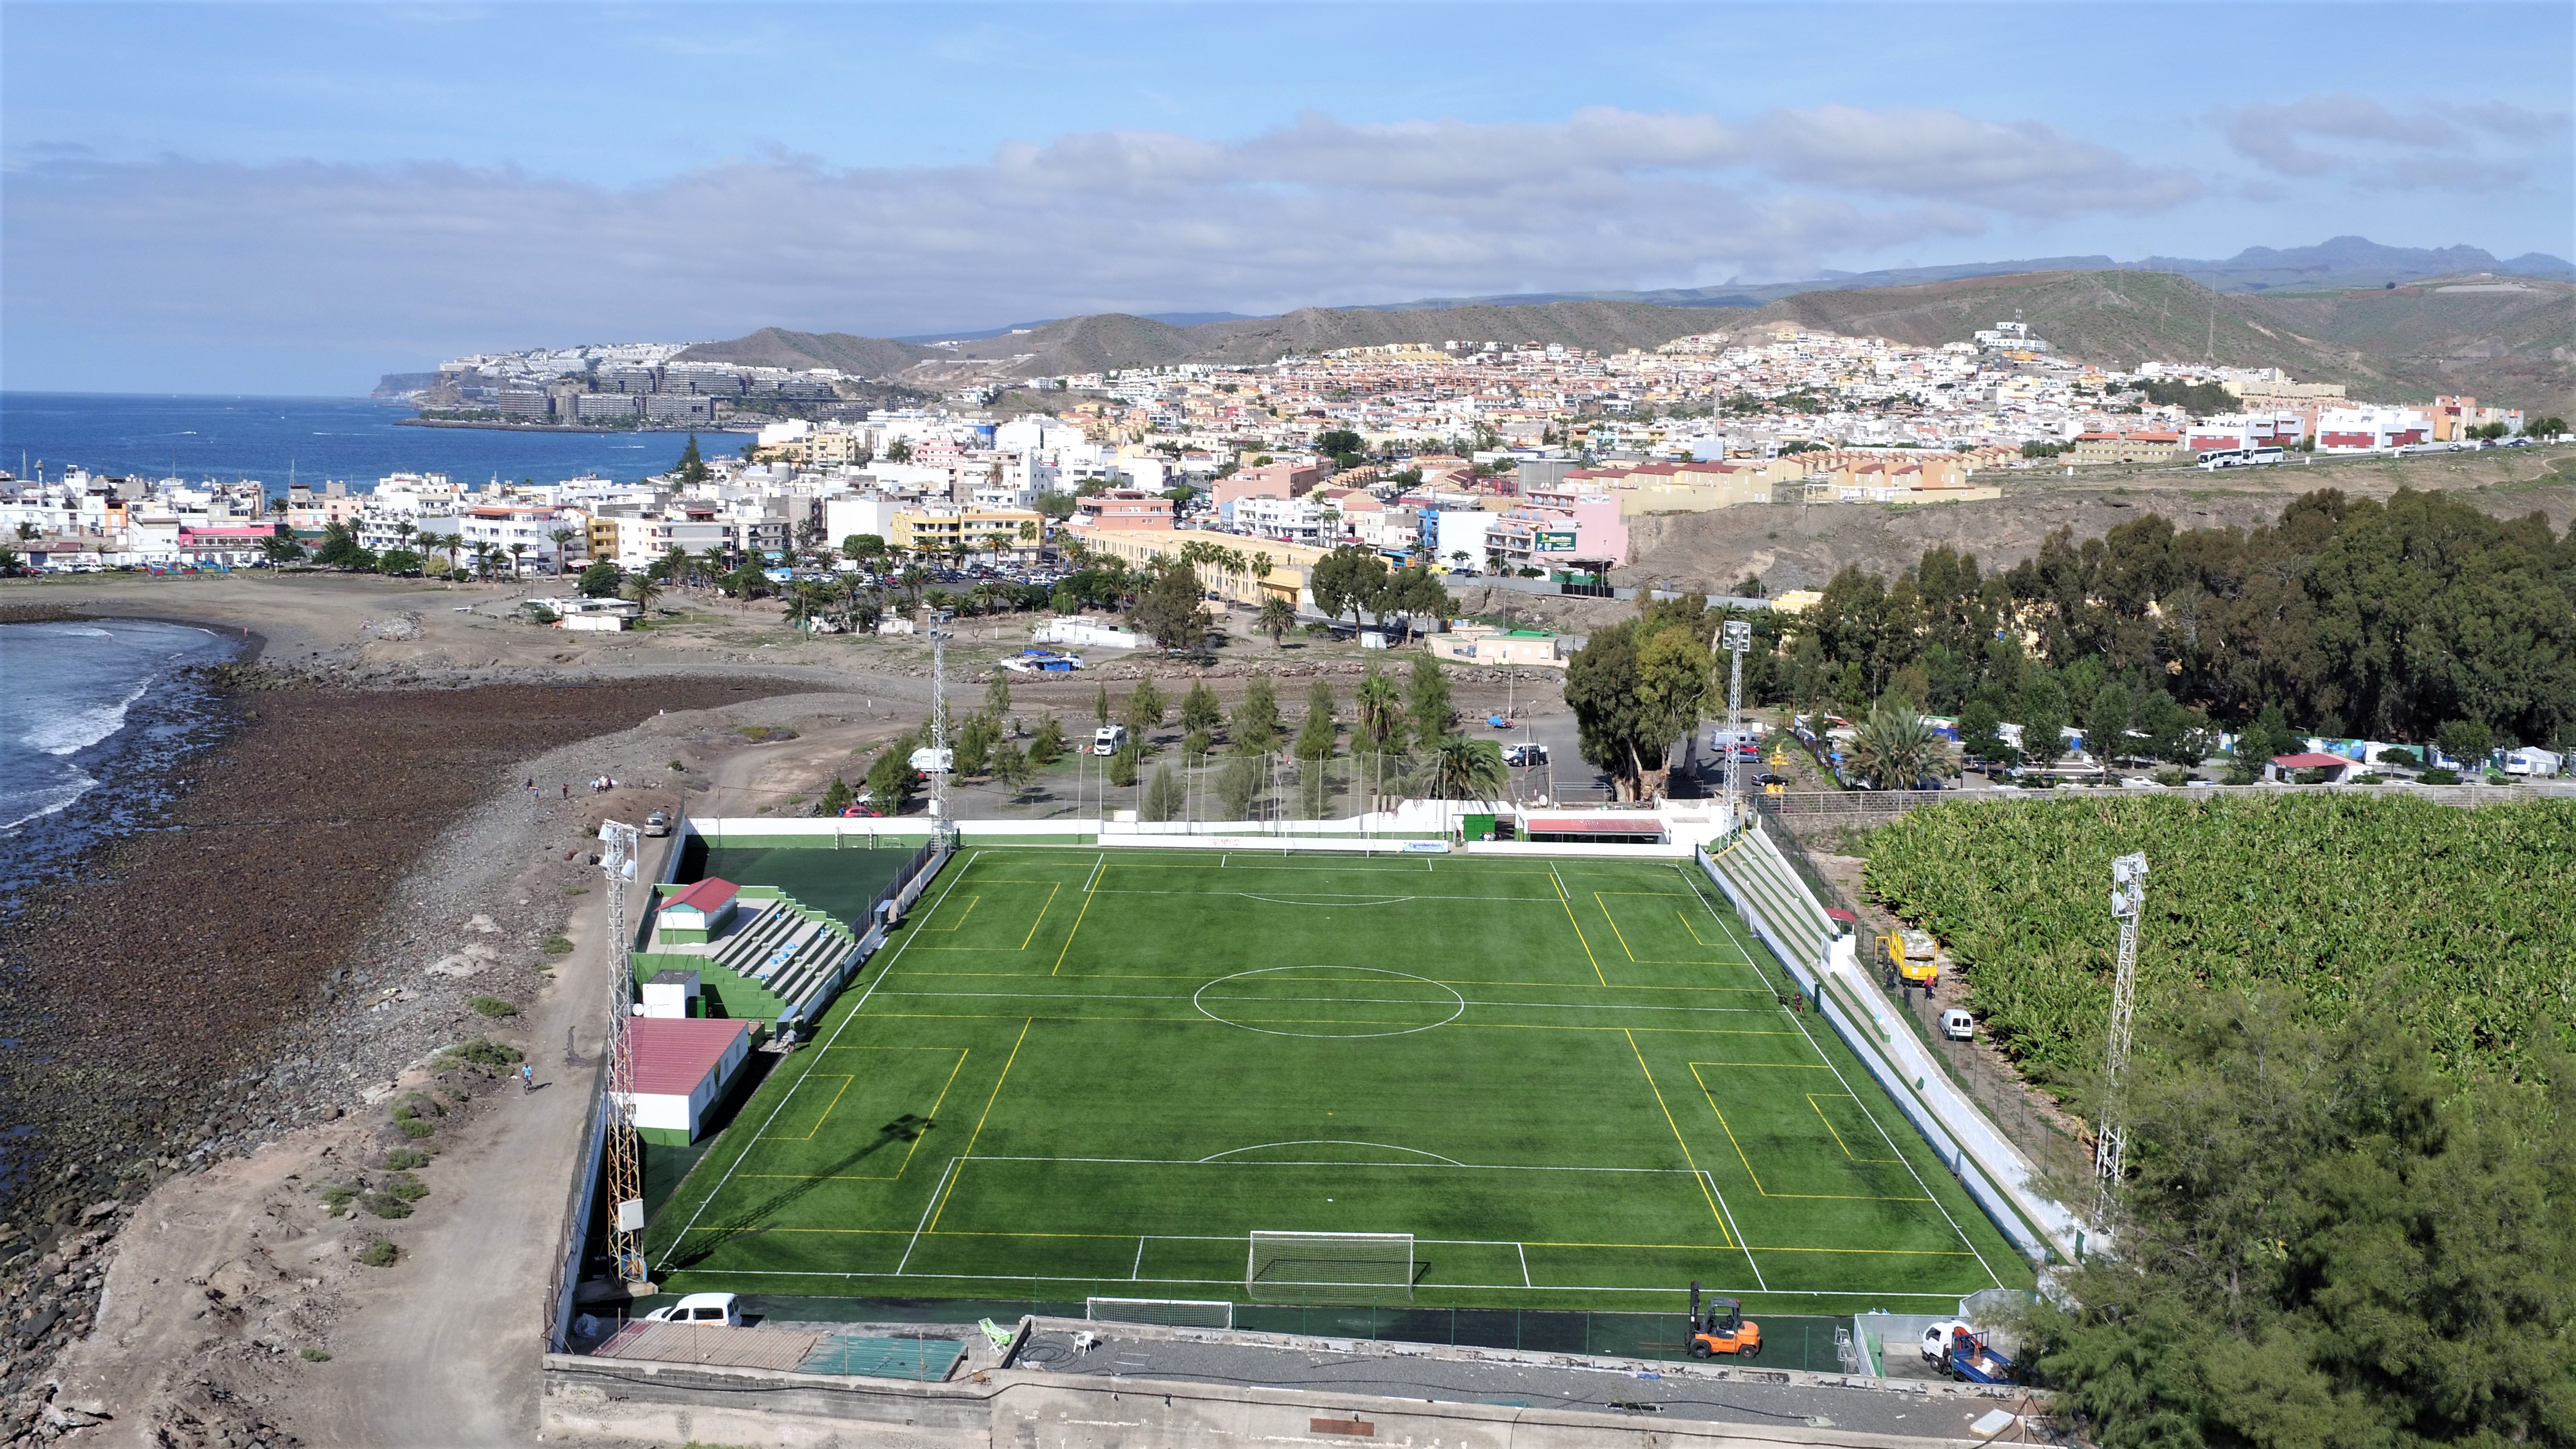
{"points": [[1290, 564], [977, 530]]}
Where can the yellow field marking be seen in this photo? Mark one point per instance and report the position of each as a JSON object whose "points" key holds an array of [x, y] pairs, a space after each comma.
{"points": [[809, 1132], [1042, 910], [971, 902], [1685, 1142], [1757, 1177], [1837, 1136], [1772, 1066], [978, 1133], [1616, 933], [1900, 1252], [1088, 896], [1563, 900]]}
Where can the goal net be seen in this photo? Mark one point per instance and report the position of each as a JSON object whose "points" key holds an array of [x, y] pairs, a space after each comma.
{"points": [[1167, 1312], [1329, 1267]]}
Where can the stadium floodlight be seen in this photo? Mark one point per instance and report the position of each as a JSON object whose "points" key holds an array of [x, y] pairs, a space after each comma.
{"points": [[1289, 1267], [1735, 636], [2128, 903], [1164, 1312]]}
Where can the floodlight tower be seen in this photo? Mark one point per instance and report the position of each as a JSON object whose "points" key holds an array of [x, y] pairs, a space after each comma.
{"points": [[939, 721], [625, 1160], [1736, 635], [2128, 903]]}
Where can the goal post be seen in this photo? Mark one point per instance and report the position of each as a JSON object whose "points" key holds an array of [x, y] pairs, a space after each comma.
{"points": [[1326, 1268], [1165, 1312]]}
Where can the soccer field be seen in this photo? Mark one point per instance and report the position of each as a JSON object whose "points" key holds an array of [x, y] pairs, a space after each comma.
{"points": [[1081, 1072]]}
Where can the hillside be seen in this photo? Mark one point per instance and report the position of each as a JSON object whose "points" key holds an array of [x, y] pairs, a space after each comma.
{"points": [[2501, 340], [2504, 340]]}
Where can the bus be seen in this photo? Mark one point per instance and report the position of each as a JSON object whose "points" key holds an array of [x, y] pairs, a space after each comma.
{"points": [[2213, 459]]}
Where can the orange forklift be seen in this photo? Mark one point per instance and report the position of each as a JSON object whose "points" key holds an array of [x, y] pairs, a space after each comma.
{"points": [[1723, 1329]]}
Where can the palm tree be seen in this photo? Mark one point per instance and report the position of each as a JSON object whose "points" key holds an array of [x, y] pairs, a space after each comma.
{"points": [[1278, 616], [561, 537], [517, 559], [482, 552], [402, 534], [711, 562], [642, 588], [1895, 747], [1028, 534], [1381, 710], [1468, 769]]}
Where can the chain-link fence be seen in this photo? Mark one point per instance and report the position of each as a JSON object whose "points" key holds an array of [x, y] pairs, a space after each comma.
{"points": [[1226, 787], [1789, 1341]]}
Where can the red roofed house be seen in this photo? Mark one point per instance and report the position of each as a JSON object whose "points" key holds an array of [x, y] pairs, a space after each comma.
{"points": [[699, 912], [2282, 765], [682, 1066]]}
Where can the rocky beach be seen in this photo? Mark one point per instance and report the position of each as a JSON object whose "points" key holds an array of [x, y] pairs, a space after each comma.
{"points": [[327, 903]]}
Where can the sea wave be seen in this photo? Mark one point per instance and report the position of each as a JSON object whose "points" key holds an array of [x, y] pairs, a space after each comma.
{"points": [[17, 807], [75, 730]]}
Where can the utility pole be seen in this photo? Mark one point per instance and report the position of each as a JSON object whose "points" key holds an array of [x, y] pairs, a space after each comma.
{"points": [[625, 1159], [2128, 903], [1736, 636]]}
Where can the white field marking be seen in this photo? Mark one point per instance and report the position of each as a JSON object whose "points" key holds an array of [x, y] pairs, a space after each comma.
{"points": [[1334, 1142], [1454, 995], [1937, 1206], [1523, 1250], [1318, 897], [1401, 1166], [1305, 999], [1138, 1272], [855, 1007], [1094, 878], [1722, 1290], [925, 1213], [1732, 1228]]}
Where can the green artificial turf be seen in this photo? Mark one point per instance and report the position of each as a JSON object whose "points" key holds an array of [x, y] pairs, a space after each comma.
{"points": [[1082, 1072]]}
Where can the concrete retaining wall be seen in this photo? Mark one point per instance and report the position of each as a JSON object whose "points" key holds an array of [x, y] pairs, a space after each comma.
{"points": [[1015, 1409]]}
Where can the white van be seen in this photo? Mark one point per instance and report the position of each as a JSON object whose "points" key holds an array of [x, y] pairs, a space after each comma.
{"points": [[1958, 1025], [706, 1310], [1108, 739]]}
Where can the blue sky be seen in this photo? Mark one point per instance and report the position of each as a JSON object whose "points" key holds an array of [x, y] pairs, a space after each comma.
{"points": [[295, 198]]}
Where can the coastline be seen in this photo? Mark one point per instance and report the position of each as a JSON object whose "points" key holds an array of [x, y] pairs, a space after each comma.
{"points": [[300, 924], [500, 427]]}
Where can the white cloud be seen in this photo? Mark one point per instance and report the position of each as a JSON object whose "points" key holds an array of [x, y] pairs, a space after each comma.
{"points": [[2381, 148], [425, 257]]}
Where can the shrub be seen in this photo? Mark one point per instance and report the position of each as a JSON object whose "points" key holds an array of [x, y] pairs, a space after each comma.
{"points": [[386, 1205], [576, 890], [2173, 776], [2439, 776], [413, 1127], [485, 1052], [379, 1254], [676, 765], [405, 1186], [403, 1159], [337, 1196], [556, 945], [493, 1006], [314, 1355], [753, 733]]}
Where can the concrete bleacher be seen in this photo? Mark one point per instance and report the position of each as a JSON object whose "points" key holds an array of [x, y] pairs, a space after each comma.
{"points": [[777, 961]]}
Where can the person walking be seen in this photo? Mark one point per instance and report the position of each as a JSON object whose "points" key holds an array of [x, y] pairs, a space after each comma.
{"points": [[527, 1077]]}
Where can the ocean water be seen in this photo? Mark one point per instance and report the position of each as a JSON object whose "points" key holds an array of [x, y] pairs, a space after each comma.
{"points": [[303, 439], [93, 715]]}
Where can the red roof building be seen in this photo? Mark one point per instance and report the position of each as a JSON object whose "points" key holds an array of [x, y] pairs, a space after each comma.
{"points": [[682, 1064]]}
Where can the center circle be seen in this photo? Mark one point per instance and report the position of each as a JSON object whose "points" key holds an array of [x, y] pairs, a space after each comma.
{"points": [[1333, 1002]]}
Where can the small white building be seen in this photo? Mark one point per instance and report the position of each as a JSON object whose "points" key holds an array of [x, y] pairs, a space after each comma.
{"points": [[682, 1066]]}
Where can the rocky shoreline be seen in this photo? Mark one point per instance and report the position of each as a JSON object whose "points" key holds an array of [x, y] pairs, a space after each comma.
{"points": [[317, 913]]}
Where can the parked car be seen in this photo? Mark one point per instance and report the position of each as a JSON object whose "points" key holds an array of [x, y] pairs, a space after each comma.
{"points": [[1958, 1025], [658, 823], [1524, 756], [706, 1310], [1108, 739]]}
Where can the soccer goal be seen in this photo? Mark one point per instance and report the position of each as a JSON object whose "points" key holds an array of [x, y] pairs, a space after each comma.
{"points": [[1329, 1267], [1167, 1312]]}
